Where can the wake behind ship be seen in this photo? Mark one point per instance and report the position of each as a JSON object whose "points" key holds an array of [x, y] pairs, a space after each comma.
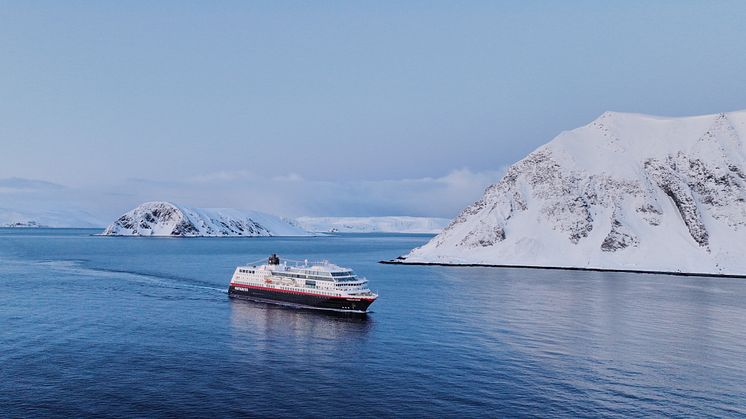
{"points": [[320, 285]]}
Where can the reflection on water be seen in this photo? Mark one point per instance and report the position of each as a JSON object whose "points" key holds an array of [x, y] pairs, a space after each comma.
{"points": [[255, 324], [92, 327]]}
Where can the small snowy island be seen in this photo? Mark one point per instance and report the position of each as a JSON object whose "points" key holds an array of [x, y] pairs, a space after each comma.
{"points": [[33, 217], [390, 224], [627, 192], [23, 224], [167, 219]]}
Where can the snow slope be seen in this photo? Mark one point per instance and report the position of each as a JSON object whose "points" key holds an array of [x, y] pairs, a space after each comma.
{"points": [[167, 219], [627, 191], [396, 224], [60, 218]]}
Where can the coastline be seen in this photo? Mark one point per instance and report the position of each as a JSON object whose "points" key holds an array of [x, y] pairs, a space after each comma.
{"points": [[562, 268]]}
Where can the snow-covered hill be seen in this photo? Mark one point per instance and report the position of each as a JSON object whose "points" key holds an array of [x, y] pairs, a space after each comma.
{"points": [[60, 218], [627, 191], [397, 224], [167, 219]]}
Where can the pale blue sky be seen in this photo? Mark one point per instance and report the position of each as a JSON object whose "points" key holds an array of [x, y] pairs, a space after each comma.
{"points": [[96, 94]]}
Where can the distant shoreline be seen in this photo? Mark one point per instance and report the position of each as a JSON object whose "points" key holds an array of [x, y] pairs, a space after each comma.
{"points": [[49, 228], [137, 236], [562, 268]]}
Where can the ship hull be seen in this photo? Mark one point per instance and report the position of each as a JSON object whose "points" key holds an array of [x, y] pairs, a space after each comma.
{"points": [[323, 302]]}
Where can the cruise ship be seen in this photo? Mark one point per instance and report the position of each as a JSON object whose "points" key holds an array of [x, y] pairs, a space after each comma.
{"points": [[320, 285]]}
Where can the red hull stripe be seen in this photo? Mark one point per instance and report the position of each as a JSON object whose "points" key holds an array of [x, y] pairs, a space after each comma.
{"points": [[301, 293]]}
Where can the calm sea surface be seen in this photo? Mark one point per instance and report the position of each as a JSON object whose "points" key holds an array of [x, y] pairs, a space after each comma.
{"points": [[144, 327]]}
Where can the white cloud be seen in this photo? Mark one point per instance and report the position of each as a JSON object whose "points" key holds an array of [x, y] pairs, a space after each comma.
{"points": [[286, 195], [224, 176], [290, 177], [292, 195], [16, 185]]}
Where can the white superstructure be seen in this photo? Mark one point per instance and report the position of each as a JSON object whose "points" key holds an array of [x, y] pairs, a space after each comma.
{"points": [[318, 284]]}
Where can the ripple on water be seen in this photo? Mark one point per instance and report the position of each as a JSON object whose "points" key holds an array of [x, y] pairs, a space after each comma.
{"points": [[92, 326]]}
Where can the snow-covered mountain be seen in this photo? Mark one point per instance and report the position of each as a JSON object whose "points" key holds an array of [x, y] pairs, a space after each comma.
{"points": [[627, 191], [167, 219], [395, 224], [60, 218]]}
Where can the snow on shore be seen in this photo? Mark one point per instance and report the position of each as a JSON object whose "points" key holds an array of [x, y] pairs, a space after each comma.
{"points": [[627, 191], [396, 224], [167, 219]]}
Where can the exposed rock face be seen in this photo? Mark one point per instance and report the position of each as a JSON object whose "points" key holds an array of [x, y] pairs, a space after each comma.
{"points": [[668, 179], [483, 236], [167, 219], [624, 192], [619, 237]]}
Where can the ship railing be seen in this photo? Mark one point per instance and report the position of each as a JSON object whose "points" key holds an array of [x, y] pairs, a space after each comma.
{"points": [[306, 263], [295, 262]]}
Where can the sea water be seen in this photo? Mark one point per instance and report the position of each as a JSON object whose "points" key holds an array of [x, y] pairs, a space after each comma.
{"points": [[127, 327]]}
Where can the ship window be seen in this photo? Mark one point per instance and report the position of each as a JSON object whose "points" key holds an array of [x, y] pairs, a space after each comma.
{"points": [[348, 273]]}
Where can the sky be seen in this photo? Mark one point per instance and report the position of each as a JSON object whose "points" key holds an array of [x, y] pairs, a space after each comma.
{"points": [[332, 108]]}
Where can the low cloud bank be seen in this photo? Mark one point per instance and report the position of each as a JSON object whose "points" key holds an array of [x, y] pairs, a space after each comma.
{"points": [[283, 194]]}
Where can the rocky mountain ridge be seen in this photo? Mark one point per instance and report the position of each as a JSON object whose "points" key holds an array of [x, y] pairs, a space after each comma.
{"points": [[627, 191], [167, 219]]}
